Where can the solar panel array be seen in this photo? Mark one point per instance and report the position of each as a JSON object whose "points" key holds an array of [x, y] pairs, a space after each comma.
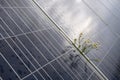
{"points": [[99, 20], [31, 47]]}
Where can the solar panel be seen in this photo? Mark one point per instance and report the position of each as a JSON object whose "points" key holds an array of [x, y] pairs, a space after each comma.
{"points": [[32, 47]]}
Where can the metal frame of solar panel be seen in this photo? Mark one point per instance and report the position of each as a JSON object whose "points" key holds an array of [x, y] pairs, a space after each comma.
{"points": [[31, 47]]}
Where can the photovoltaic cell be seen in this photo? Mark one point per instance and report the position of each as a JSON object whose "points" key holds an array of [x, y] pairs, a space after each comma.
{"points": [[32, 48]]}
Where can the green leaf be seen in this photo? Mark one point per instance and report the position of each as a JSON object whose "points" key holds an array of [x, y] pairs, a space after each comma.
{"points": [[75, 40]]}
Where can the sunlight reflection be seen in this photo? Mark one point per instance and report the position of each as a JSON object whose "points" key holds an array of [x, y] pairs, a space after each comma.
{"points": [[78, 1]]}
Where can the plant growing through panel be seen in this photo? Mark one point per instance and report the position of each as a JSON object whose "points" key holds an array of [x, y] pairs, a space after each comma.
{"points": [[85, 46]]}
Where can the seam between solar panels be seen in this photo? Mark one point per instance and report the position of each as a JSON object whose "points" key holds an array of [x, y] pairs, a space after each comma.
{"points": [[69, 40]]}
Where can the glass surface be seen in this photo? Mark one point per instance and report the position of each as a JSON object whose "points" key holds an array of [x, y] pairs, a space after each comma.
{"points": [[33, 48]]}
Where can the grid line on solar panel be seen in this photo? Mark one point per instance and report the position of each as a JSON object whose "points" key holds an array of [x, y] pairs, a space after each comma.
{"points": [[23, 53]]}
